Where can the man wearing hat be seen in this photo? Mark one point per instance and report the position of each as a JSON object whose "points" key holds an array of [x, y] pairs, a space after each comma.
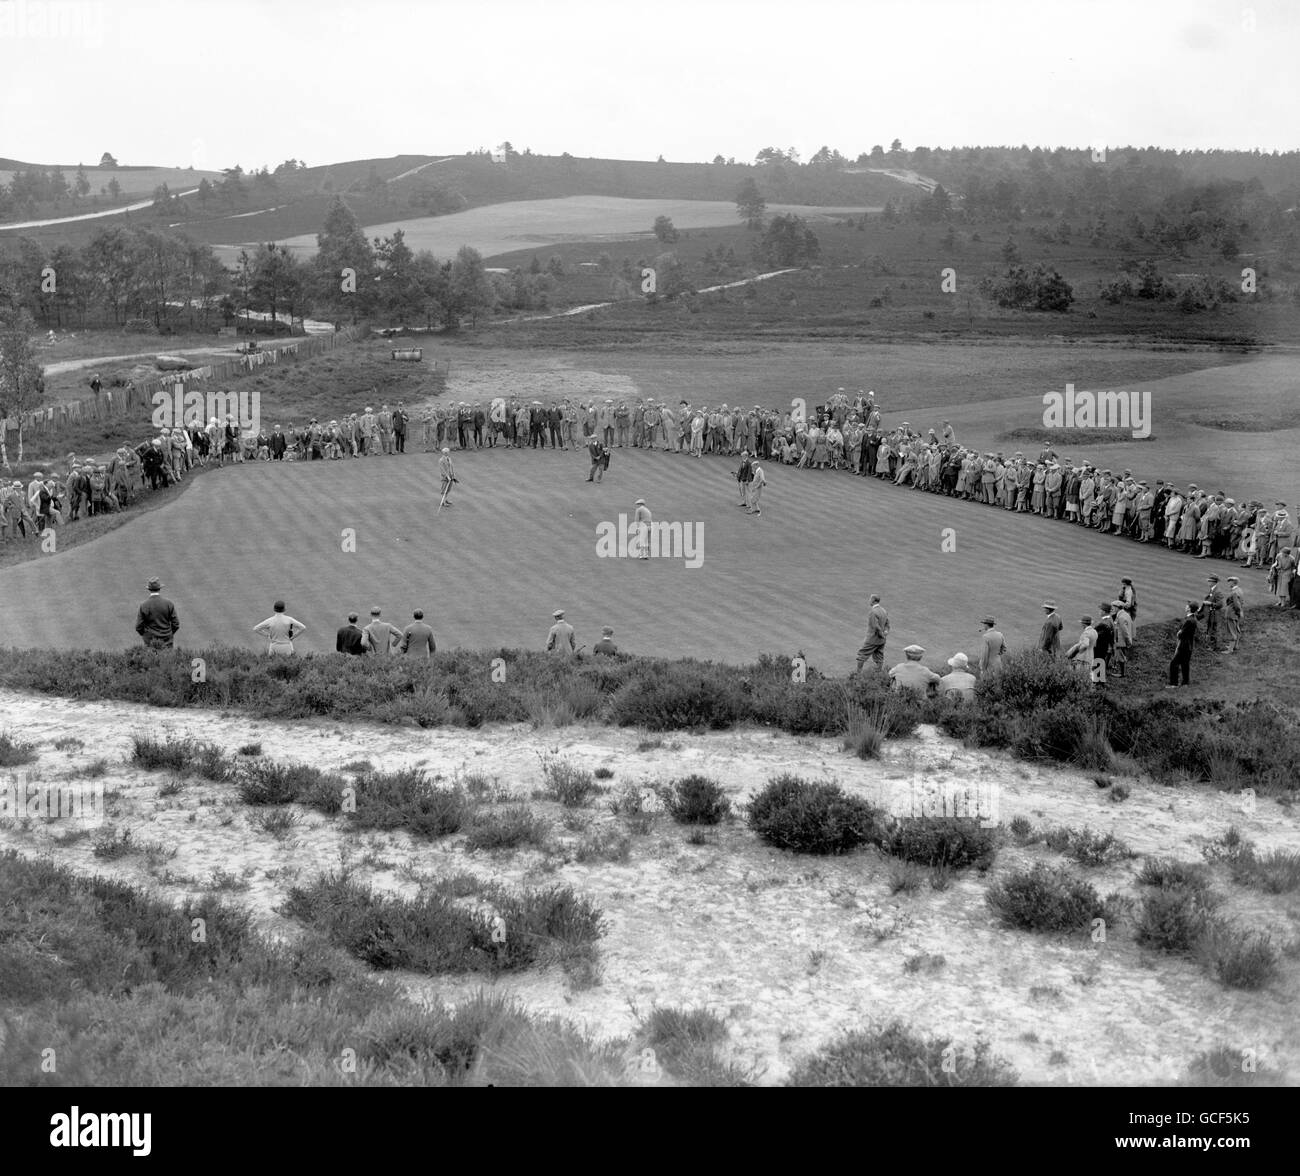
{"points": [[911, 674], [961, 681], [379, 636], [873, 646], [1233, 612], [596, 451], [560, 638], [1211, 609], [1050, 639], [640, 530], [992, 648], [156, 622], [446, 477], [1123, 635], [1181, 663], [606, 643], [368, 437], [1082, 652]]}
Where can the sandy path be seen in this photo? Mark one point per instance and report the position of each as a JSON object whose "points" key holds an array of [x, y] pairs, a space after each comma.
{"points": [[733, 924]]}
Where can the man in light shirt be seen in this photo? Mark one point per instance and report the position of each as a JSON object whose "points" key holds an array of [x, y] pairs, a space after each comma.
{"points": [[1081, 652], [961, 681], [279, 629], [911, 674]]}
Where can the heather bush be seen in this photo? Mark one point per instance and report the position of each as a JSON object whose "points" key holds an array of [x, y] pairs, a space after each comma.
{"points": [[948, 842], [792, 813], [1045, 899], [897, 1056], [696, 800]]}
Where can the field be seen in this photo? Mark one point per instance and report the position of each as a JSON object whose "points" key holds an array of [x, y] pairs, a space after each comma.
{"points": [[501, 228], [797, 577]]}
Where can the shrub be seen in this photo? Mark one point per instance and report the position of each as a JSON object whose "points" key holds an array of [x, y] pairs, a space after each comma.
{"points": [[949, 842], [676, 698], [268, 782], [250, 749], [684, 1040], [603, 773], [1045, 899], [1169, 873], [111, 844], [276, 822], [896, 1056], [408, 799], [432, 934], [1173, 918], [603, 845], [1277, 872], [905, 878], [696, 800], [570, 785], [1022, 829], [187, 757], [1239, 959], [1030, 681], [1095, 849], [13, 752], [507, 828], [804, 817], [1226, 1066]]}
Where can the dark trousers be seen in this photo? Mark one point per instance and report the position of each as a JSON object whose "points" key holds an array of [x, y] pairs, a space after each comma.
{"points": [[400, 438], [1180, 666]]}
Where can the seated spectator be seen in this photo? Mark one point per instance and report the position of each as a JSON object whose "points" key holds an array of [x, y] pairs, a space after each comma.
{"points": [[961, 681], [606, 643], [911, 674]]}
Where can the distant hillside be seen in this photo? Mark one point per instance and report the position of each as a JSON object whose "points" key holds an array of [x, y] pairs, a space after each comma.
{"points": [[292, 200]]}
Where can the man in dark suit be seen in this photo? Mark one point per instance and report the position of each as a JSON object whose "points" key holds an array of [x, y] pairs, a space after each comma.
{"points": [[399, 427], [279, 444], [348, 639], [156, 622], [1181, 663]]}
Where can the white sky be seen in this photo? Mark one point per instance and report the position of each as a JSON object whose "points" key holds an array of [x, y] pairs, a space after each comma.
{"points": [[175, 82]]}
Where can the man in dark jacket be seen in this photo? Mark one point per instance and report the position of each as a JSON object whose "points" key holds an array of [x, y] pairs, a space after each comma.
{"points": [[279, 443], [399, 428], [348, 639], [1181, 663], [156, 622], [596, 448]]}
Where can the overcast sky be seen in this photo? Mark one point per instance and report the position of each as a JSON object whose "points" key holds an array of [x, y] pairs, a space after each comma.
{"points": [[254, 82]]}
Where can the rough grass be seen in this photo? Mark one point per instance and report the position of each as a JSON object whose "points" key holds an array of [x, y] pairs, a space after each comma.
{"points": [[185, 757], [14, 752], [507, 828], [950, 843], [897, 1056], [109, 978], [571, 785], [434, 935]]}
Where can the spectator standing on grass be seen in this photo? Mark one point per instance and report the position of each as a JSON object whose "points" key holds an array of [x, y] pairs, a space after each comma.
{"points": [[1233, 611], [1081, 652], [961, 681], [1105, 645], [1123, 635], [1180, 665], [399, 427], [757, 481], [379, 636], [417, 637], [560, 638], [873, 645], [350, 638], [911, 674], [992, 648], [1049, 641], [279, 629], [156, 621], [641, 523], [745, 475]]}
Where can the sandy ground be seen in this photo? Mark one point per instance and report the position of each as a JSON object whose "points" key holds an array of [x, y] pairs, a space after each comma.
{"points": [[792, 950]]}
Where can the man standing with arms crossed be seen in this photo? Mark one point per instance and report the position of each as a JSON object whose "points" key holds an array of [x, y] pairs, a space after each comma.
{"points": [[873, 646]]}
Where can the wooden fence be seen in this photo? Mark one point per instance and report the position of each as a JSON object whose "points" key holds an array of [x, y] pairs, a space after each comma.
{"points": [[137, 399]]}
